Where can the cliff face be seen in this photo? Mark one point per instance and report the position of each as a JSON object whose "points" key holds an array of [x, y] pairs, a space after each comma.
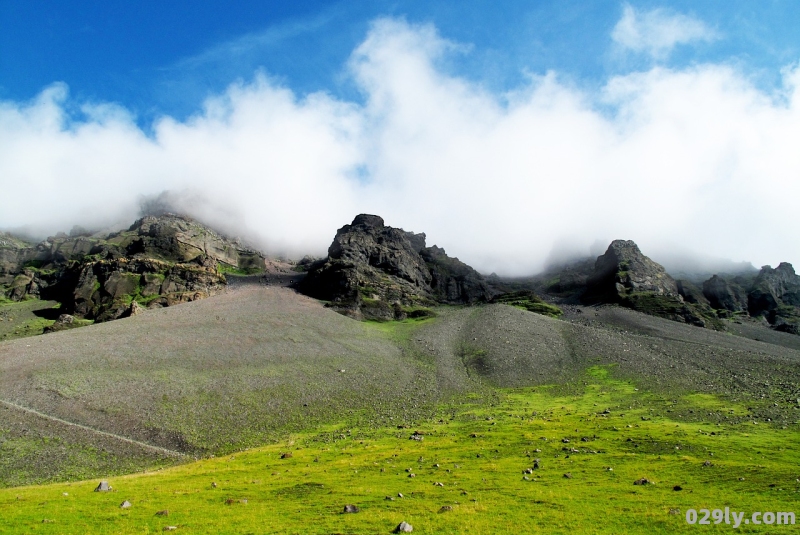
{"points": [[158, 261], [724, 294], [376, 271], [775, 295]]}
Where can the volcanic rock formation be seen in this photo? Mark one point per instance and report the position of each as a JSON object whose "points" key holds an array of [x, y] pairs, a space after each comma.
{"points": [[376, 271], [625, 276], [623, 270], [775, 295], [158, 261], [724, 294]]}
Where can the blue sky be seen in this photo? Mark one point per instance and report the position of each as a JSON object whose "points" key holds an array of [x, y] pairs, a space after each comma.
{"points": [[158, 57], [481, 123]]}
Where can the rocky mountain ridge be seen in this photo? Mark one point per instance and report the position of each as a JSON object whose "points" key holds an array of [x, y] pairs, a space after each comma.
{"points": [[158, 261], [624, 275], [374, 271]]}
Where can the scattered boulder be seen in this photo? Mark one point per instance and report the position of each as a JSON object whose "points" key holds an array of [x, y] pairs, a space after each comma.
{"points": [[642, 481], [125, 505], [404, 527], [134, 310], [164, 512], [445, 508], [64, 321], [351, 509], [568, 476], [286, 455], [103, 487]]}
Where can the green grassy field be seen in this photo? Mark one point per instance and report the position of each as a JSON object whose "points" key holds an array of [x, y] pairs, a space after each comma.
{"points": [[18, 319], [478, 453]]}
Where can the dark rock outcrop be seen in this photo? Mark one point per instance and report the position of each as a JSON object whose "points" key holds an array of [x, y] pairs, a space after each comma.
{"points": [[376, 271], [625, 276], [774, 288], [158, 261], [775, 295], [691, 293], [723, 294], [623, 270], [106, 289]]}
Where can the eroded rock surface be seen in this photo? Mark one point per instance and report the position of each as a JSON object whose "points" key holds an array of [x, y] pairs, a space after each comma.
{"points": [[623, 270], [376, 271], [624, 275], [158, 261]]}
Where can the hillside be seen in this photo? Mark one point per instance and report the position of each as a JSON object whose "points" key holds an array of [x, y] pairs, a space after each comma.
{"points": [[247, 366]]}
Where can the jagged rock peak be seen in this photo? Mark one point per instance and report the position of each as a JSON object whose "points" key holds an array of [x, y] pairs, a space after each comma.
{"points": [[348, 237], [626, 276], [776, 293], [371, 266], [368, 220], [623, 269]]}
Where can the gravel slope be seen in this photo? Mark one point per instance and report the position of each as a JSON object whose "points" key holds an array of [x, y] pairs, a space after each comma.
{"points": [[248, 366]]}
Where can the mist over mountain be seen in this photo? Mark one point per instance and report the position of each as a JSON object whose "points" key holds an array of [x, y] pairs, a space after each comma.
{"points": [[661, 156]]}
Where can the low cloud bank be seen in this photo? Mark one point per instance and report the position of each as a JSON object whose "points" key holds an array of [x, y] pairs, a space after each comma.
{"points": [[696, 157]]}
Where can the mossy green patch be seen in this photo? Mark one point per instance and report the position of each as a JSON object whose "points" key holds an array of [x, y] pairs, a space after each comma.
{"points": [[402, 330], [529, 301], [20, 319], [227, 269]]}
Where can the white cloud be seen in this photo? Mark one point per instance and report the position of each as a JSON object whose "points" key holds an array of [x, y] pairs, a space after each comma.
{"points": [[658, 31], [696, 157]]}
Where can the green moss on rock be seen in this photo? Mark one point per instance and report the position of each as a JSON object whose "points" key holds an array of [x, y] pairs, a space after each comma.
{"points": [[529, 301]]}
